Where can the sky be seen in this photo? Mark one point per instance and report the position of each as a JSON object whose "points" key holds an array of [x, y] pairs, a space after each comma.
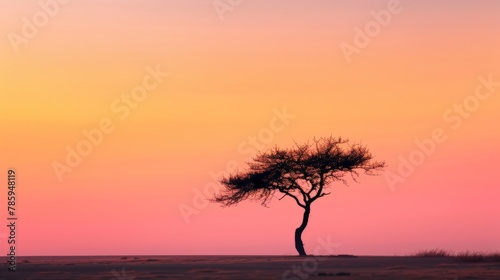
{"points": [[119, 117]]}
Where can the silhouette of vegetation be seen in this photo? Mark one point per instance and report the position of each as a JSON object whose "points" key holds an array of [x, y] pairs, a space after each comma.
{"points": [[467, 256], [434, 253], [302, 173], [476, 256]]}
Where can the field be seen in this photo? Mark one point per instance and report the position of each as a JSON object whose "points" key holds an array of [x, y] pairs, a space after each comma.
{"points": [[249, 267]]}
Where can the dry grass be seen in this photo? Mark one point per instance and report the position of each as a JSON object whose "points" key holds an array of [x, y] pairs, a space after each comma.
{"points": [[467, 256], [478, 256], [434, 253]]}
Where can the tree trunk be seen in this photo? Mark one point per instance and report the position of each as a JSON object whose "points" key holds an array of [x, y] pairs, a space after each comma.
{"points": [[298, 232]]}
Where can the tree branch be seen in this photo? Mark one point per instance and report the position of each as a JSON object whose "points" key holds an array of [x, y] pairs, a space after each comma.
{"points": [[292, 196]]}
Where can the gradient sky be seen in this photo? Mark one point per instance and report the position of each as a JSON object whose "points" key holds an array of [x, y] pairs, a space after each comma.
{"points": [[227, 77]]}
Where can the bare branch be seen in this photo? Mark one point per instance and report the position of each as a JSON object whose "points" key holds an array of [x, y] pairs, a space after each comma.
{"points": [[294, 197]]}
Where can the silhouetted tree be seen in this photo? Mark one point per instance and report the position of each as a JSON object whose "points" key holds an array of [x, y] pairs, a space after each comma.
{"points": [[302, 173]]}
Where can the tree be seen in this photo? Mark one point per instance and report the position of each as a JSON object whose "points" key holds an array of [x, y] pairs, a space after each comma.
{"points": [[302, 173]]}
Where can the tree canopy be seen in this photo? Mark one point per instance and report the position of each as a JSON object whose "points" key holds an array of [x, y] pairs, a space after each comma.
{"points": [[302, 172]]}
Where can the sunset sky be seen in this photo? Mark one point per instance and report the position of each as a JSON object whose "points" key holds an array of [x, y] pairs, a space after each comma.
{"points": [[182, 91]]}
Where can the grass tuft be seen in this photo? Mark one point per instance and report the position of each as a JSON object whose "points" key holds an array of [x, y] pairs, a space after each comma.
{"points": [[475, 256], [434, 253], [467, 256]]}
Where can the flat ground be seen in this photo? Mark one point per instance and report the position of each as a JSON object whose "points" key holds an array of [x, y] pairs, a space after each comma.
{"points": [[247, 267]]}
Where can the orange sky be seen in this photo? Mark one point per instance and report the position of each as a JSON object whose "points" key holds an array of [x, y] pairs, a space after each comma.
{"points": [[229, 74]]}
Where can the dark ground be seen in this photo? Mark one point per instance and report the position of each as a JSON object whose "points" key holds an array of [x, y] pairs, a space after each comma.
{"points": [[247, 267]]}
